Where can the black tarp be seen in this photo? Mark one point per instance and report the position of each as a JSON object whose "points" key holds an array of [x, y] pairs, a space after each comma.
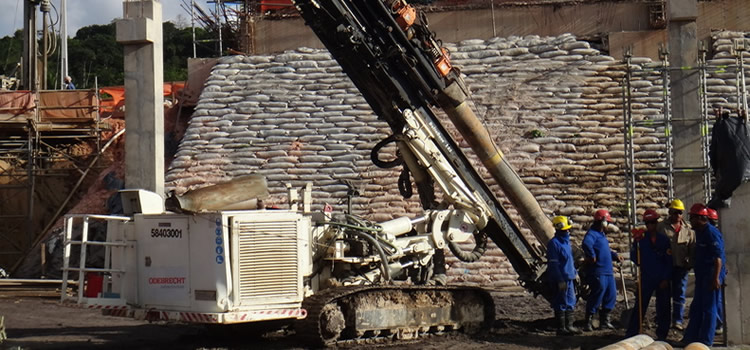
{"points": [[729, 154]]}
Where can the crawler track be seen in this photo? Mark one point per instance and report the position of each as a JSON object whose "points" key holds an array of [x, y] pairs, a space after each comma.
{"points": [[351, 316]]}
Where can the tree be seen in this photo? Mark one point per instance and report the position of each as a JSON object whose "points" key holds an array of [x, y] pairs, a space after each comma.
{"points": [[10, 53], [95, 54]]}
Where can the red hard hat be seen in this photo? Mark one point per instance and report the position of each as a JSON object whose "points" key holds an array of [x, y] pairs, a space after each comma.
{"points": [[650, 215], [712, 214], [602, 214], [699, 209]]}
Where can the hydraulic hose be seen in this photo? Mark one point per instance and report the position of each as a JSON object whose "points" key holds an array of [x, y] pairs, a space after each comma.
{"points": [[404, 184], [376, 150], [475, 254], [383, 257]]}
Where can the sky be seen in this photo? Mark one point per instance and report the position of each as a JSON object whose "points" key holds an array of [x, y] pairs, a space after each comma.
{"points": [[82, 13]]}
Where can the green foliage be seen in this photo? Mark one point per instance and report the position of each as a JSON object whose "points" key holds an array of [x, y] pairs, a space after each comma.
{"points": [[534, 134], [95, 54], [10, 52]]}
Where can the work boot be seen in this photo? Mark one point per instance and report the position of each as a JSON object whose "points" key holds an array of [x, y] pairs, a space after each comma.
{"points": [[562, 328], [589, 326], [569, 323], [604, 321]]}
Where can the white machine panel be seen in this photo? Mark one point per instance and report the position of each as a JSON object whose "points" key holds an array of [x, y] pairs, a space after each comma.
{"points": [[268, 253], [209, 263], [163, 260]]}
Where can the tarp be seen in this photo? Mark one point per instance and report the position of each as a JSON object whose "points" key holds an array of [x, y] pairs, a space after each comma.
{"points": [[729, 154], [71, 105], [117, 101], [273, 5], [16, 106]]}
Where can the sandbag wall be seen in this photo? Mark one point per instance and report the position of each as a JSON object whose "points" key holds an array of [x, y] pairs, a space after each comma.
{"points": [[554, 105]]}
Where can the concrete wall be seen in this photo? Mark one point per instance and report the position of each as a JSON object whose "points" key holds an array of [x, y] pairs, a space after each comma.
{"points": [[735, 226], [581, 19], [642, 44]]}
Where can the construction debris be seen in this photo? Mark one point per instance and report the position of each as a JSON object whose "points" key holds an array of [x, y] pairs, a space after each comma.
{"points": [[19, 288]]}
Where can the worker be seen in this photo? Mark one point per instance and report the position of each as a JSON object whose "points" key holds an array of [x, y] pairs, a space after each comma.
{"points": [[682, 243], [68, 83], [710, 271], [651, 251], [713, 218], [561, 273], [599, 274]]}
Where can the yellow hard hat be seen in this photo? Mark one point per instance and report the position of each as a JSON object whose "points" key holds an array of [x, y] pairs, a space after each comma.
{"points": [[677, 205], [561, 223]]}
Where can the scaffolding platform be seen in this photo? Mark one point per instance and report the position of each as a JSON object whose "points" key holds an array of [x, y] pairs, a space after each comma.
{"points": [[39, 136]]}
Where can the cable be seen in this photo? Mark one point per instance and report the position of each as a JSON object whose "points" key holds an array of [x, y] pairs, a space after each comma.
{"points": [[378, 146], [474, 255], [383, 258]]}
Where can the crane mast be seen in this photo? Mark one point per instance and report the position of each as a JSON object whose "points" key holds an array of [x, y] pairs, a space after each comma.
{"points": [[388, 51]]}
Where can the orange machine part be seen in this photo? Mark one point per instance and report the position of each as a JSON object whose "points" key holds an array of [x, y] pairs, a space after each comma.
{"points": [[443, 63], [406, 15]]}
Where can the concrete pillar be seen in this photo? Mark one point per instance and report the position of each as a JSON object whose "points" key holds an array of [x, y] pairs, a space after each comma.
{"points": [[140, 32], [683, 52], [734, 224]]}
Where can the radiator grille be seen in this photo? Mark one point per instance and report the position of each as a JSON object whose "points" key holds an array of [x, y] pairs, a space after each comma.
{"points": [[268, 261]]}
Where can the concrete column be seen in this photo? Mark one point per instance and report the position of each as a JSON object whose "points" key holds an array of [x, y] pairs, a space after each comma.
{"points": [[683, 52], [734, 224], [140, 32]]}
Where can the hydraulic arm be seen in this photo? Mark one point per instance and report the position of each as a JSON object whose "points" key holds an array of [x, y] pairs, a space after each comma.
{"points": [[401, 69]]}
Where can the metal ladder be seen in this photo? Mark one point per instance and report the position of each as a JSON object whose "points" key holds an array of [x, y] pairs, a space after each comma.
{"points": [[108, 244], [669, 170]]}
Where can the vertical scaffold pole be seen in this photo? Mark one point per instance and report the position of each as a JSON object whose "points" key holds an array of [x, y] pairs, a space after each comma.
{"points": [[705, 137], [628, 138], [739, 46], [667, 108]]}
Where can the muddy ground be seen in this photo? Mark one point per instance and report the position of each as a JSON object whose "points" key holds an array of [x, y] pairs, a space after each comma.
{"points": [[522, 322]]}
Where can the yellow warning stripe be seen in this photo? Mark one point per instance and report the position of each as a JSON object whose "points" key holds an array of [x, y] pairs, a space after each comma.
{"points": [[495, 159]]}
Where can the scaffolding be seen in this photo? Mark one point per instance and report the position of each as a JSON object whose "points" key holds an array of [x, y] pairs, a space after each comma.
{"points": [[39, 135], [662, 125], [229, 23]]}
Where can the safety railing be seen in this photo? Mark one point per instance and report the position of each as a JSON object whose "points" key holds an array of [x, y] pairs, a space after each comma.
{"points": [[84, 243]]}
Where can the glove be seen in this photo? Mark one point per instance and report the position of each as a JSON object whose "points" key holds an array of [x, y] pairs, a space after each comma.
{"points": [[638, 234], [562, 286]]}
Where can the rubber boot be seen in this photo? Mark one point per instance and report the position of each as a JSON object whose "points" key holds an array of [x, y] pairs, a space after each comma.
{"points": [[604, 321], [569, 323], [562, 328], [589, 326]]}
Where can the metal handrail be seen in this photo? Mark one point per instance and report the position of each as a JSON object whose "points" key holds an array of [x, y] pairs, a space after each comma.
{"points": [[69, 242]]}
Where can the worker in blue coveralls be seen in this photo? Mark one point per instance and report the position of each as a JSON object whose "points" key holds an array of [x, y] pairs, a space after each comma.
{"points": [[710, 272], [651, 251], [599, 274], [560, 274], [713, 219]]}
